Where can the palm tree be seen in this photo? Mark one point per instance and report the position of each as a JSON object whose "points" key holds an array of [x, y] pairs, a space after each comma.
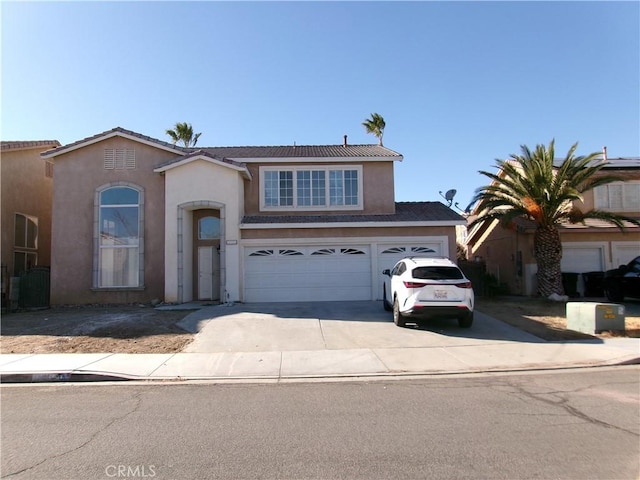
{"points": [[529, 186], [375, 125], [184, 132]]}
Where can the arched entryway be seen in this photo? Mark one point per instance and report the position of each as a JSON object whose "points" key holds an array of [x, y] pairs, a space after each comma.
{"points": [[206, 254], [196, 248]]}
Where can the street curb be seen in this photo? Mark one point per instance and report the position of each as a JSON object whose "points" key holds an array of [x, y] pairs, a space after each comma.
{"points": [[96, 377], [59, 377]]}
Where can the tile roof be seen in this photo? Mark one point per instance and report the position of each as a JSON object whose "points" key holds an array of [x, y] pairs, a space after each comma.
{"points": [[405, 212], [202, 153], [622, 163], [596, 223], [20, 145], [524, 225], [115, 131], [303, 151], [285, 151]]}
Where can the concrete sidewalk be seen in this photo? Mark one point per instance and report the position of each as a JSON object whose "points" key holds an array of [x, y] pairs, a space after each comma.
{"points": [[334, 344]]}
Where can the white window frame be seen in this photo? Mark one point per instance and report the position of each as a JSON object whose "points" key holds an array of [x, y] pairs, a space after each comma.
{"points": [[295, 207], [99, 247], [603, 196]]}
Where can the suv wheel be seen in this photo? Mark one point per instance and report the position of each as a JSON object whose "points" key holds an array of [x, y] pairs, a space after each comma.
{"points": [[613, 294], [398, 318], [466, 321]]}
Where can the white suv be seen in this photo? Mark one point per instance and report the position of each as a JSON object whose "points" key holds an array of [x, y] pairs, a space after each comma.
{"points": [[428, 287]]}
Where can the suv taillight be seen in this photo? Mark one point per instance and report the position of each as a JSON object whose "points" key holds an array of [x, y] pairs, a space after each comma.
{"points": [[413, 284], [464, 285]]}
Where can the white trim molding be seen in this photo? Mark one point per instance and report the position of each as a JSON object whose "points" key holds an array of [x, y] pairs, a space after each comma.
{"points": [[275, 226]]}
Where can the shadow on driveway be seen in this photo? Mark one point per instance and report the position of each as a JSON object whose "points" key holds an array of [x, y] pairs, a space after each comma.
{"points": [[331, 325]]}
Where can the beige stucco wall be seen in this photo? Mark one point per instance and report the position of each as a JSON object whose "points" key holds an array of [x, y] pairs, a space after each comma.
{"points": [[377, 185], [626, 175], [194, 185], [77, 176], [25, 189], [499, 250]]}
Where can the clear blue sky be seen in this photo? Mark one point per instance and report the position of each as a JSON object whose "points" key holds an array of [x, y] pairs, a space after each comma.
{"points": [[459, 84]]}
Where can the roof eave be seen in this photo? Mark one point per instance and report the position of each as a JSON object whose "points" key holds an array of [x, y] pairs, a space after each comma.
{"points": [[238, 168], [317, 159], [432, 223], [106, 136], [28, 145]]}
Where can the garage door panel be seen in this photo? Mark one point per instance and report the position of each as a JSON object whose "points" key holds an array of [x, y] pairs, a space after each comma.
{"points": [[582, 259], [623, 254], [389, 255], [318, 273]]}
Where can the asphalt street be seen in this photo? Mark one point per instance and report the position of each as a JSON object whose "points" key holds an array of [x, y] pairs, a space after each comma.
{"points": [[572, 424]]}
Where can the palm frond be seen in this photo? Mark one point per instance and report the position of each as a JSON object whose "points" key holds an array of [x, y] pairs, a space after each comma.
{"points": [[612, 218], [532, 186]]}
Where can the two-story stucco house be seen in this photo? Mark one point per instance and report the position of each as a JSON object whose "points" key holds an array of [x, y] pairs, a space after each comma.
{"points": [[26, 185], [596, 246], [137, 219]]}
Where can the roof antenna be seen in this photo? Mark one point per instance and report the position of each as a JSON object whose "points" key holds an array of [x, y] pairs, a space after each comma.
{"points": [[449, 196]]}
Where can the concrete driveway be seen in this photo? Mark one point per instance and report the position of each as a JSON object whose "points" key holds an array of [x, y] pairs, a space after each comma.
{"points": [[305, 326]]}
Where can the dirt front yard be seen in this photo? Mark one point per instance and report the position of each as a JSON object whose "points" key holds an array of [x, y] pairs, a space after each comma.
{"points": [[93, 329], [547, 319], [144, 329]]}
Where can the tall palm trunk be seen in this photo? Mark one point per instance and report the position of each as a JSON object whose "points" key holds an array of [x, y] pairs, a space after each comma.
{"points": [[548, 252]]}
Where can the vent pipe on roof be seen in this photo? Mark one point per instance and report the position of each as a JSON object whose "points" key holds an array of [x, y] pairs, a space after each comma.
{"points": [[344, 144], [604, 153]]}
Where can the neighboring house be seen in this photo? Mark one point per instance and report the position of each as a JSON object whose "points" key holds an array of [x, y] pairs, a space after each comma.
{"points": [[26, 185], [136, 219], [594, 247]]}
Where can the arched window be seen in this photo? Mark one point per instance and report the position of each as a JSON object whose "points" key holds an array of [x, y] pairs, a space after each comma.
{"points": [[119, 237]]}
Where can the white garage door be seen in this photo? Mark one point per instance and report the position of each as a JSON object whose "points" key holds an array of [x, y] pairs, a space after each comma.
{"points": [[582, 259], [623, 254], [320, 273]]}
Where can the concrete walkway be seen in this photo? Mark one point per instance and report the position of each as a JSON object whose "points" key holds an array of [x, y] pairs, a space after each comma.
{"points": [[276, 342]]}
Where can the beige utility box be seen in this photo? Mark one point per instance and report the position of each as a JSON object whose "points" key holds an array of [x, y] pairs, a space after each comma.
{"points": [[592, 317]]}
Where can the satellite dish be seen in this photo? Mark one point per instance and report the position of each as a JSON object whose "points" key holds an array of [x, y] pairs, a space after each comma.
{"points": [[449, 195]]}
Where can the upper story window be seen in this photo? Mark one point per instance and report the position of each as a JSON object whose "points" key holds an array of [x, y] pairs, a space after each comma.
{"points": [[316, 188], [26, 231], [618, 196], [25, 254], [119, 238]]}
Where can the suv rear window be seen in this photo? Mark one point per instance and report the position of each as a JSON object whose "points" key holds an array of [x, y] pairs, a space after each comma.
{"points": [[437, 273]]}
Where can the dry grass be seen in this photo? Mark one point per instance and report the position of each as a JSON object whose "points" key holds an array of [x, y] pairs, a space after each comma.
{"points": [[91, 329], [547, 319]]}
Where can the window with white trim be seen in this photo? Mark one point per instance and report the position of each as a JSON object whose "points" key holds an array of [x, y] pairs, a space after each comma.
{"points": [[317, 188], [618, 196], [119, 237]]}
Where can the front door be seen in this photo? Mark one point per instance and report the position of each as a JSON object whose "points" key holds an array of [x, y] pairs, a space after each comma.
{"points": [[207, 254]]}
